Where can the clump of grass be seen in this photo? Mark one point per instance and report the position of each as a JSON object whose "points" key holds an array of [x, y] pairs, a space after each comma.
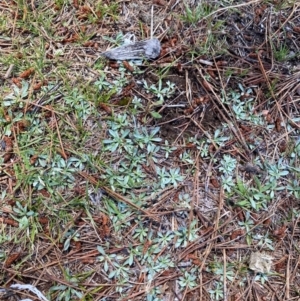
{"points": [[195, 14]]}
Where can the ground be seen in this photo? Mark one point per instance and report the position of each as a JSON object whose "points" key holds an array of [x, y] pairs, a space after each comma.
{"points": [[167, 179]]}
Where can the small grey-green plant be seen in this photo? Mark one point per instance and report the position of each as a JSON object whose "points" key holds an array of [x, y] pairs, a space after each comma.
{"points": [[277, 171], [153, 294], [152, 151], [102, 83], [168, 149], [217, 268], [110, 262], [202, 144], [25, 215], [119, 141], [133, 253], [145, 138], [117, 41], [296, 149], [293, 188], [17, 96], [218, 292], [242, 105], [137, 105], [218, 138], [120, 272], [227, 183], [187, 158], [120, 82], [23, 210], [55, 173], [256, 196], [148, 256], [261, 277], [164, 239], [4, 238], [65, 292], [141, 233], [126, 176], [78, 104], [112, 86], [165, 262], [228, 165], [119, 214], [247, 225], [173, 176], [204, 150], [159, 91], [189, 279], [264, 241], [185, 200], [136, 158], [185, 235], [119, 121], [68, 236]]}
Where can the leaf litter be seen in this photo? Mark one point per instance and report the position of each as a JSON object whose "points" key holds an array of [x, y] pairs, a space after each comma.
{"points": [[184, 205]]}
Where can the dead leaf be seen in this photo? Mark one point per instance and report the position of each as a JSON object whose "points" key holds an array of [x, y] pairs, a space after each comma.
{"points": [[278, 124], [77, 245], [9, 221], [17, 81], [11, 259], [282, 146], [279, 233], [43, 220], [38, 85], [260, 262], [188, 111], [44, 193], [280, 265], [76, 3], [105, 232], [21, 126], [8, 151], [26, 73], [296, 28], [89, 44], [114, 65], [88, 260], [207, 85], [222, 63], [105, 219], [214, 182], [33, 159], [146, 246], [73, 38], [160, 2], [195, 259], [128, 66], [267, 222], [106, 108], [211, 72], [179, 68], [236, 233]]}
